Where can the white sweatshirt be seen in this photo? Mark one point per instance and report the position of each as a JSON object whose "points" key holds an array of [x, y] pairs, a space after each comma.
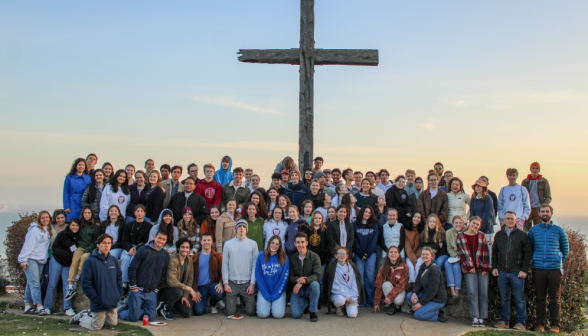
{"points": [[514, 198], [344, 283], [109, 198], [271, 228], [36, 245]]}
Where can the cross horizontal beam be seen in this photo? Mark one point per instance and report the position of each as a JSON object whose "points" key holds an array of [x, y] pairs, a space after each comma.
{"points": [[367, 57]]}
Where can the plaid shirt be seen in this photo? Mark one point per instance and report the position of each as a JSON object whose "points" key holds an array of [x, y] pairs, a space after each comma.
{"points": [[482, 256]]}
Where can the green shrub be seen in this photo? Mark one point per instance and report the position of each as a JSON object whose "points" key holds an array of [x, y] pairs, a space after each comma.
{"points": [[573, 289], [15, 237]]}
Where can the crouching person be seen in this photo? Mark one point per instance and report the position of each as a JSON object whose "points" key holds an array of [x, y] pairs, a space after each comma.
{"points": [[271, 274], [305, 274], [146, 277], [208, 278], [342, 282], [391, 282], [429, 294], [177, 292], [102, 283]]}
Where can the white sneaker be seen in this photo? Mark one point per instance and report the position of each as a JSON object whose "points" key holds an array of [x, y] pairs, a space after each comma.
{"points": [[48, 311], [70, 312], [213, 310], [220, 305]]}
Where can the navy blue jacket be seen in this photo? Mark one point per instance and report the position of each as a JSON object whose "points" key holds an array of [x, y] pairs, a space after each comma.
{"points": [[366, 239], [550, 246], [485, 210], [147, 271], [297, 193], [102, 281]]}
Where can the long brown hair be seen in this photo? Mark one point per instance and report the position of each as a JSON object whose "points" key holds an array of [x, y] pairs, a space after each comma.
{"points": [[323, 225], [388, 264], [439, 235], [83, 221], [261, 207], [190, 228], [281, 254], [49, 226]]}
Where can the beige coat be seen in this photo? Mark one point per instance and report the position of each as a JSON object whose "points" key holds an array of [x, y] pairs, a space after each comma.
{"points": [[167, 187], [225, 230]]}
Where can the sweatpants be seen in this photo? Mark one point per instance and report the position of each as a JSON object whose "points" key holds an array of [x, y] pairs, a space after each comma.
{"points": [[99, 320], [236, 290], [351, 307]]}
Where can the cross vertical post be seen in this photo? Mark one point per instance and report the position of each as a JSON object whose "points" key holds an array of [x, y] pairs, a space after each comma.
{"points": [[306, 99]]}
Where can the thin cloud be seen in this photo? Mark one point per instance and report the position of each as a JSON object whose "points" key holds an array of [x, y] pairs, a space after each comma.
{"points": [[430, 125], [455, 103], [230, 102], [513, 99]]}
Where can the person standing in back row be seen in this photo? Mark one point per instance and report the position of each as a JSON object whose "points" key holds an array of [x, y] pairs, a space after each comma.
{"points": [[173, 185], [434, 201], [224, 174], [539, 193], [76, 182], [515, 198], [236, 189], [208, 188], [550, 246]]}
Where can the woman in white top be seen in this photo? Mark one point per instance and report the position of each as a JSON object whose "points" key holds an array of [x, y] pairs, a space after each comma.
{"points": [[341, 191], [271, 201], [114, 226], [116, 192], [343, 283], [457, 200], [32, 259], [276, 226]]}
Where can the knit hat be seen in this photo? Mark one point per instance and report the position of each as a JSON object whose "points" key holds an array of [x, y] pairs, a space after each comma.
{"points": [[481, 183], [187, 210], [536, 164], [242, 222], [318, 175]]}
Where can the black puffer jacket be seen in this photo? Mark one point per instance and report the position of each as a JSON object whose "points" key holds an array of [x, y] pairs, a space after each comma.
{"points": [[62, 246], [511, 253]]}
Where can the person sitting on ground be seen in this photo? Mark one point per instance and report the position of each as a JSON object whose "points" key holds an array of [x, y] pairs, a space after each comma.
{"points": [[239, 257], [271, 275], [391, 282], [102, 284], [208, 280], [429, 295], [305, 274], [343, 284], [146, 276], [177, 293]]}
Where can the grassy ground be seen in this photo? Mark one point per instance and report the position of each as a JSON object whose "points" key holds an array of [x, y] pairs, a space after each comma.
{"points": [[12, 325]]}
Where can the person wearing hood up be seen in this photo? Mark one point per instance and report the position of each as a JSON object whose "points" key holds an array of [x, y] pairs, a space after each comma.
{"points": [[286, 164], [224, 174], [190, 199], [166, 226]]}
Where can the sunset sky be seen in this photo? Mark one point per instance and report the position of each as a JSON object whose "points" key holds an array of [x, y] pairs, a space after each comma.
{"points": [[479, 86]]}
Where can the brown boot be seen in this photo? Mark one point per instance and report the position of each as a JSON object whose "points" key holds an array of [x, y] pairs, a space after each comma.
{"points": [[540, 328], [554, 330]]}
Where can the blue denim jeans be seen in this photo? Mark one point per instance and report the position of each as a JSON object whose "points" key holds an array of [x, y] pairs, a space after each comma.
{"points": [[56, 270], [307, 295], [367, 269], [206, 291], [125, 262], [453, 274], [477, 286], [429, 311], [277, 308], [116, 252], [33, 290], [440, 261], [45, 279], [140, 304], [506, 280]]}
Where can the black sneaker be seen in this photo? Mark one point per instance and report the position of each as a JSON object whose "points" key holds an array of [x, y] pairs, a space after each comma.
{"points": [[71, 291], [159, 309], [306, 311], [392, 310], [78, 317], [31, 311], [443, 315], [167, 315], [313, 317]]}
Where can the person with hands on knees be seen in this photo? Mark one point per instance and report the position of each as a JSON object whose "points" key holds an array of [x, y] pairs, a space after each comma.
{"points": [[271, 274], [472, 249], [102, 283], [343, 284], [239, 258], [146, 276], [305, 275], [177, 293], [511, 258], [391, 282], [208, 282], [429, 295]]}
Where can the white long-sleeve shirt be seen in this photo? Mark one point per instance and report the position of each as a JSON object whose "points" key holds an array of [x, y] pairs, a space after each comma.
{"points": [[239, 258], [344, 283], [109, 198], [514, 198], [36, 245]]}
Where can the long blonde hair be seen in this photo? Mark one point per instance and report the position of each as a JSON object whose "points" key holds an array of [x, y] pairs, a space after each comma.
{"points": [[49, 226], [439, 235]]}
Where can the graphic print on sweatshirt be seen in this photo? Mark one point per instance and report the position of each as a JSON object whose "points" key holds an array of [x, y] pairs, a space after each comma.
{"points": [[346, 277], [276, 231], [121, 199], [209, 193], [512, 197], [365, 232], [270, 269], [315, 239]]}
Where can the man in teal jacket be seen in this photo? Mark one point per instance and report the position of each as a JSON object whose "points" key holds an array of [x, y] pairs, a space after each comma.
{"points": [[550, 248]]}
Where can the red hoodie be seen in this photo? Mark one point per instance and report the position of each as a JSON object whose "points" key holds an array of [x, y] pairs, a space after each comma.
{"points": [[211, 191]]}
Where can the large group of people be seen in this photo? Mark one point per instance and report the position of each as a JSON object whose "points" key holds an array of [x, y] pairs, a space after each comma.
{"points": [[143, 243]]}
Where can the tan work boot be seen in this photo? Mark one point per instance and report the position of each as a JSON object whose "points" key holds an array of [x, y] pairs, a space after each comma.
{"points": [[501, 324], [519, 326], [540, 328], [554, 330]]}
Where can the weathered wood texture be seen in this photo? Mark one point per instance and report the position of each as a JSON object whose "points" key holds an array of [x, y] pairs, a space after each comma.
{"points": [[367, 57], [306, 99]]}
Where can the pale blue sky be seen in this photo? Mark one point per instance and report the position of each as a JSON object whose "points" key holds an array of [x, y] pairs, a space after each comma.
{"points": [[479, 85]]}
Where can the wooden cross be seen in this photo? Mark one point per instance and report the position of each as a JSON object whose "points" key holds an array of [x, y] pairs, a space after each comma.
{"points": [[307, 56]]}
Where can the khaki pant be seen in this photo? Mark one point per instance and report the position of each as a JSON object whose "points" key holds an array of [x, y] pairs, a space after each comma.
{"points": [[533, 220], [98, 320], [77, 262]]}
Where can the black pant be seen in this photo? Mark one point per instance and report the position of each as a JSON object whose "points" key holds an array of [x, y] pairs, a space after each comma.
{"points": [[548, 282], [173, 301]]}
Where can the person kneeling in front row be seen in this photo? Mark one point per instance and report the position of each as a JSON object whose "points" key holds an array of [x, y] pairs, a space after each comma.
{"points": [[208, 282], [176, 294], [271, 274], [429, 294], [391, 282], [102, 283], [305, 274], [342, 282]]}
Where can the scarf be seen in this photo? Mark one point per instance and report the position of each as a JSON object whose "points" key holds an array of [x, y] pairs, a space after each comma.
{"points": [[530, 177]]}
